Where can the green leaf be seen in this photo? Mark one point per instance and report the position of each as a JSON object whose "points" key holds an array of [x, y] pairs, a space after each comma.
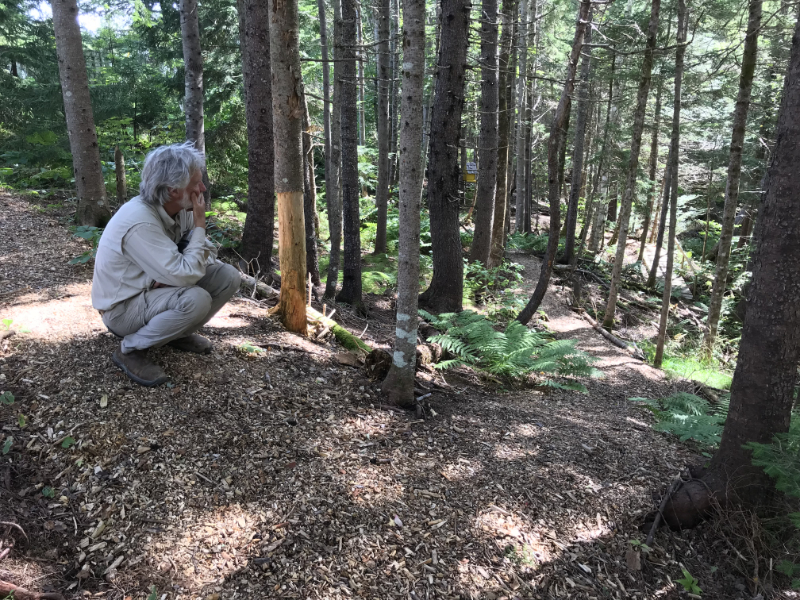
{"points": [[689, 583], [22, 421], [7, 445], [7, 398], [153, 593], [68, 442], [7, 323], [48, 492]]}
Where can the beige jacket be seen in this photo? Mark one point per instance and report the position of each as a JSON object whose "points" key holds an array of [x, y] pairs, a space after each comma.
{"points": [[139, 247]]}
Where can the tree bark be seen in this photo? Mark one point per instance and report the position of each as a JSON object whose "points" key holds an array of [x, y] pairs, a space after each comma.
{"points": [[351, 283], [674, 150], [309, 198], [488, 139], [598, 227], [395, 93], [193, 82], [577, 152], [447, 285], [326, 94], [333, 189], [633, 164], [384, 128], [119, 171], [734, 175], [399, 383], [653, 165], [92, 204], [554, 147], [522, 166], [259, 226], [662, 220], [763, 385], [287, 118]]}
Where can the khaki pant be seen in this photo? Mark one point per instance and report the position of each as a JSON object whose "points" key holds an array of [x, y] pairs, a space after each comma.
{"points": [[156, 317]]}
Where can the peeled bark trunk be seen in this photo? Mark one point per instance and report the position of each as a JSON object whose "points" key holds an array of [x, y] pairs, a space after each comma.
{"points": [[447, 285], [309, 199], [577, 152], [522, 166], [399, 383], [119, 171], [384, 129], [653, 164], [333, 189], [763, 385], [633, 164], [259, 226], [734, 174], [503, 138], [92, 204], [193, 81], [287, 118], [554, 153], [674, 150], [351, 283], [487, 142], [662, 221]]}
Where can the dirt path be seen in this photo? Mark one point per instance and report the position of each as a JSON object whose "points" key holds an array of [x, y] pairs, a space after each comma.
{"points": [[271, 474]]}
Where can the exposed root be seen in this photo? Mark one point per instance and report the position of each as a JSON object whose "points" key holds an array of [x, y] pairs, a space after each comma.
{"points": [[19, 593]]}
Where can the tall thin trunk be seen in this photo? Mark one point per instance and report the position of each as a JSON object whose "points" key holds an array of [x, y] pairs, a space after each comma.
{"points": [[333, 190], [522, 43], [503, 139], [259, 226], [734, 175], [351, 283], [309, 198], [287, 118], [653, 165], [674, 151], [487, 174], [511, 89], [447, 285], [384, 129], [119, 169], [526, 200], [577, 152], [362, 121], [399, 383], [326, 94], [554, 146], [633, 164], [92, 204], [193, 81], [662, 220], [395, 94], [598, 228]]}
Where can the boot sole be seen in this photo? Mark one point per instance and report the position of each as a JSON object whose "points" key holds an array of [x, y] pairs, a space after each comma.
{"points": [[139, 380]]}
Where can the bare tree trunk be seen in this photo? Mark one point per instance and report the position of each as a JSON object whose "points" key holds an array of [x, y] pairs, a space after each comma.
{"points": [[309, 199], [598, 228], [488, 140], [522, 166], [734, 175], [326, 95], [511, 88], [287, 117], [447, 285], [384, 128], [633, 164], [333, 190], [119, 168], [577, 152], [554, 146], [674, 150], [653, 164], [362, 121], [399, 383], [662, 220], [193, 81], [395, 93], [351, 283], [92, 204]]}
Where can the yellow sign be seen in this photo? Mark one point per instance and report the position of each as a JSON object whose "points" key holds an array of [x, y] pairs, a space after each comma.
{"points": [[471, 172]]}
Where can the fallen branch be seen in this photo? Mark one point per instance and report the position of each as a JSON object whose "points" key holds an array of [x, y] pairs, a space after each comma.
{"points": [[568, 269], [344, 337], [14, 526], [261, 288], [629, 348], [660, 512], [5, 334], [19, 593]]}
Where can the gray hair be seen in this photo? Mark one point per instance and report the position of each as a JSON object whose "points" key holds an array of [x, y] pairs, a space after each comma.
{"points": [[169, 167]]}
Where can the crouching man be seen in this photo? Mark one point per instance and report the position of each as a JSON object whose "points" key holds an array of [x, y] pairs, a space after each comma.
{"points": [[156, 277]]}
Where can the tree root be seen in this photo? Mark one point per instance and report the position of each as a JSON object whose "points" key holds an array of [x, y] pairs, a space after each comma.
{"points": [[19, 593]]}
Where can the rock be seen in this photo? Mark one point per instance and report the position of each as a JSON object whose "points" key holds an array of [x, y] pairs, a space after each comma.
{"points": [[348, 359], [634, 560]]}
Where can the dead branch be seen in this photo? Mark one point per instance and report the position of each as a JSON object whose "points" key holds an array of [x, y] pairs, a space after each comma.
{"points": [[19, 593], [629, 348]]}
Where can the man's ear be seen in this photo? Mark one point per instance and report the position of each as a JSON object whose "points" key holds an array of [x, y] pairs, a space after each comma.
{"points": [[175, 193]]}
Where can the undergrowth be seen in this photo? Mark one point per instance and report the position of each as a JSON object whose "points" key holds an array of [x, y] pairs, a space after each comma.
{"points": [[470, 339]]}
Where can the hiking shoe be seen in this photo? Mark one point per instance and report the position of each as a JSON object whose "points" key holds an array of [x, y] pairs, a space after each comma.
{"points": [[192, 343], [139, 368]]}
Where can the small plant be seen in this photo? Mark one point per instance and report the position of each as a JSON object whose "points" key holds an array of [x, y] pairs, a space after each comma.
{"points": [[153, 593], [68, 442], [640, 545], [91, 235], [687, 416], [22, 421], [689, 583], [7, 323], [7, 445], [249, 348], [48, 492], [7, 398]]}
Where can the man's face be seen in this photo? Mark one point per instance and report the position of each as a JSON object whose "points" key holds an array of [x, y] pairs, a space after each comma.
{"points": [[194, 188]]}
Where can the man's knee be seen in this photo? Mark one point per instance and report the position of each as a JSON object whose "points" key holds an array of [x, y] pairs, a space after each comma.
{"points": [[229, 279], [195, 301]]}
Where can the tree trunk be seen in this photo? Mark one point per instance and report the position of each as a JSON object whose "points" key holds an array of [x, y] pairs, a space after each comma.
{"points": [[287, 117], [633, 164], [333, 189], [734, 175], [326, 94], [351, 283], [447, 285], [488, 140], [662, 220], [522, 166], [362, 127], [92, 204], [503, 139], [577, 152], [763, 385], [384, 129], [119, 169], [598, 227], [309, 198], [259, 226], [653, 164], [395, 93], [674, 150], [193, 82], [399, 383], [554, 146]]}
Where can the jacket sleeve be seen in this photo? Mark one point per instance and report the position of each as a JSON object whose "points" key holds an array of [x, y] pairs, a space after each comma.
{"points": [[158, 256]]}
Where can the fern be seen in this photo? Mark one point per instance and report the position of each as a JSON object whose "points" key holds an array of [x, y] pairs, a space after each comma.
{"points": [[472, 340], [781, 460], [688, 417]]}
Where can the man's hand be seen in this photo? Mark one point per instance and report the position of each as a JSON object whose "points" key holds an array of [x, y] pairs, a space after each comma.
{"points": [[198, 209]]}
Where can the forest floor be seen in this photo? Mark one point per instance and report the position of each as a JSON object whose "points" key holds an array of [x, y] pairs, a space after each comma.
{"points": [[267, 470]]}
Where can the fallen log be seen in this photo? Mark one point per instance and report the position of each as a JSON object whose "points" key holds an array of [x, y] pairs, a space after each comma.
{"points": [[344, 337], [629, 348], [261, 288], [18, 593]]}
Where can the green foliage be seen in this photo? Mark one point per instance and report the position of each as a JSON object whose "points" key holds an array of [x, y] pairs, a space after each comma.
{"points": [[153, 593], [688, 417], [528, 242], [68, 442], [91, 235], [472, 340], [689, 583], [7, 323], [48, 492], [7, 398], [7, 445], [496, 288], [707, 373], [781, 459], [249, 348]]}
